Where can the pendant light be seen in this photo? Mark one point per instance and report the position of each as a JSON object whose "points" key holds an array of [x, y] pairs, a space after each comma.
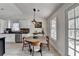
{"points": [[34, 21]]}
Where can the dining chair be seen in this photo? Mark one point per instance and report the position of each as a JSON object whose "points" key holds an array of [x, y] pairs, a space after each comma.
{"points": [[36, 47], [47, 42], [25, 43]]}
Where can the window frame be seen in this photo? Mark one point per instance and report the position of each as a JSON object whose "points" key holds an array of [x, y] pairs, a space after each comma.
{"points": [[55, 29]]}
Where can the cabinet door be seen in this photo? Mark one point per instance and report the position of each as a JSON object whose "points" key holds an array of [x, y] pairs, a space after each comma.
{"points": [[2, 46], [9, 37], [18, 38]]}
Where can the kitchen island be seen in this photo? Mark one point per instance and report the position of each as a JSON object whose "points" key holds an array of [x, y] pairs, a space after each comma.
{"points": [[13, 37], [2, 45]]}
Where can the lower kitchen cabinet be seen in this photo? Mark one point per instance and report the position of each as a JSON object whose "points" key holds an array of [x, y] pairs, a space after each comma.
{"points": [[18, 38]]}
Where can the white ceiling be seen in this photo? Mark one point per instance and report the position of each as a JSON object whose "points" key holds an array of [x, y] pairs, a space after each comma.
{"points": [[25, 10]]}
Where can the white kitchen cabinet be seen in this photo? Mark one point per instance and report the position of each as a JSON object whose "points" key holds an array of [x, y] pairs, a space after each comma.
{"points": [[8, 37]]}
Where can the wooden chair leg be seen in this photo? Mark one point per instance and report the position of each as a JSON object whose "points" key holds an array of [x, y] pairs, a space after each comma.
{"points": [[40, 52], [41, 49], [22, 47], [30, 50], [48, 47], [33, 51]]}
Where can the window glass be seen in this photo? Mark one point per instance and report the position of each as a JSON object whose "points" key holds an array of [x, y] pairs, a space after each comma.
{"points": [[71, 23], [77, 45], [77, 11], [77, 34], [71, 43], [77, 54], [77, 23], [15, 27], [73, 31], [71, 34], [53, 28], [71, 14], [70, 52], [77, 40]]}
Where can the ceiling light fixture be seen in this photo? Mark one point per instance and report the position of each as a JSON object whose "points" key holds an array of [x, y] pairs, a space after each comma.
{"points": [[34, 21]]}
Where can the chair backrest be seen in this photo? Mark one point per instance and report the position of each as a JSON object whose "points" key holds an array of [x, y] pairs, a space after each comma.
{"points": [[24, 40], [47, 39]]}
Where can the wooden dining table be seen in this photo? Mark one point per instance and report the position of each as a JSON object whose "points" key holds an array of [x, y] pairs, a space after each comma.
{"points": [[32, 41], [40, 39]]}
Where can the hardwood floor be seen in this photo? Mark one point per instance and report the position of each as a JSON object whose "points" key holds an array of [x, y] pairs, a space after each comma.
{"points": [[15, 49], [54, 51]]}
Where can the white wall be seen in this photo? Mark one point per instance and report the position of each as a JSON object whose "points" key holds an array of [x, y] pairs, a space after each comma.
{"points": [[28, 24], [59, 44]]}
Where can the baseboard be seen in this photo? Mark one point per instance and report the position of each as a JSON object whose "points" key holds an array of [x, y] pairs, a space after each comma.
{"points": [[52, 46]]}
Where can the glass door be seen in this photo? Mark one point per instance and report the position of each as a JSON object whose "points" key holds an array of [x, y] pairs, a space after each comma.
{"points": [[73, 31]]}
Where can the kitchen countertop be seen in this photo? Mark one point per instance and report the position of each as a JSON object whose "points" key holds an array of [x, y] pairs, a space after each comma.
{"points": [[2, 37], [14, 33]]}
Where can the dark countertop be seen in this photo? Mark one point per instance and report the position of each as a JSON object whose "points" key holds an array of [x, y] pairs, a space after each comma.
{"points": [[2, 37], [14, 33]]}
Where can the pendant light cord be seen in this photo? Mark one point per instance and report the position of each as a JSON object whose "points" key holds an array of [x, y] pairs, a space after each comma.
{"points": [[34, 12]]}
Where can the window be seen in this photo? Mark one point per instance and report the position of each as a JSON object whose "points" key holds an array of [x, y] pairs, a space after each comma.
{"points": [[15, 27], [73, 31], [53, 28]]}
